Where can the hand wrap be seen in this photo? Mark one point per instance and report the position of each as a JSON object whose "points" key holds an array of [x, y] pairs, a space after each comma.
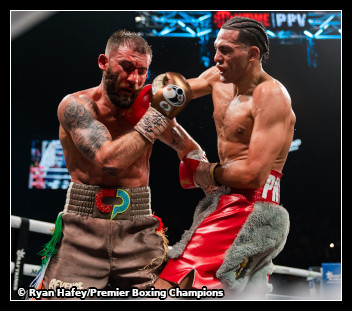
{"points": [[196, 171]]}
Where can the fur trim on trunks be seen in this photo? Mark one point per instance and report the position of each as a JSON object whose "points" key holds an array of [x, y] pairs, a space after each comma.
{"points": [[261, 239], [248, 262], [204, 208]]}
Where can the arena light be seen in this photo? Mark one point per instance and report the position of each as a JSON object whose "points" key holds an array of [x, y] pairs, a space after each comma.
{"points": [[318, 32], [271, 34], [285, 34], [295, 144], [204, 17], [139, 19], [325, 24], [191, 31], [282, 27], [308, 34], [181, 23], [166, 30], [204, 32]]}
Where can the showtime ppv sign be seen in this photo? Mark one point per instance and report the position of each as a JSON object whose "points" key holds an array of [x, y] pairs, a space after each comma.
{"points": [[271, 20]]}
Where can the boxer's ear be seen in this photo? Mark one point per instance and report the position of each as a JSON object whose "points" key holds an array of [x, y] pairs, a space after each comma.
{"points": [[103, 62], [254, 53]]}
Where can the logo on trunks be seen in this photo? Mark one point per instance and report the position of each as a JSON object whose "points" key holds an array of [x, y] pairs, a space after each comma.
{"points": [[174, 96], [54, 283], [116, 209], [272, 185]]}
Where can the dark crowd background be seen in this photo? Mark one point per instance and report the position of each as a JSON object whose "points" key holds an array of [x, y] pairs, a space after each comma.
{"points": [[59, 56]]}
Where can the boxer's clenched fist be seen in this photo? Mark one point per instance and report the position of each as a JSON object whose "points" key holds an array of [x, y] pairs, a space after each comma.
{"points": [[139, 106], [196, 171], [170, 94]]}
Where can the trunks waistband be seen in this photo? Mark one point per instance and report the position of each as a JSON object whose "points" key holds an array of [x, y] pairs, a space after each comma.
{"points": [[269, 192], [108, 203]]}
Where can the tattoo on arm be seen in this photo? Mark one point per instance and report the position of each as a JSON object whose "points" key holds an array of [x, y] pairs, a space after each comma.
{"points": [[87, 133], [178, 141]]}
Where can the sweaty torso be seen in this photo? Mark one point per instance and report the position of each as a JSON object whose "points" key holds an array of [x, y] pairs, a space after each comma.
{"points": [[86, 171], [234, 124]]}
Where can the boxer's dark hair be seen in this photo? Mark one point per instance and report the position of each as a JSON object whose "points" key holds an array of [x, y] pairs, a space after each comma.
{"points": [[131, 39], [251, 33]]}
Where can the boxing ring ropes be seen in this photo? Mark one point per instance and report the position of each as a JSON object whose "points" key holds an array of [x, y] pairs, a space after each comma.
{"points": [[48, 228]]}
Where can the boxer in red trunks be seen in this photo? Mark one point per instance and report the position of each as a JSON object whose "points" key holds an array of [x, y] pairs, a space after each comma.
{"points": [[255, 126]]}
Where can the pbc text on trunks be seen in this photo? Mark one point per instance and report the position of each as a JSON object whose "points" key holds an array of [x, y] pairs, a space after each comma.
{"points": [[272, 186]]}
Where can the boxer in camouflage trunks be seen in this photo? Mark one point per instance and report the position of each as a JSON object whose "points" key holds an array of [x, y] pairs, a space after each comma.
{"points": [[109, 235]]}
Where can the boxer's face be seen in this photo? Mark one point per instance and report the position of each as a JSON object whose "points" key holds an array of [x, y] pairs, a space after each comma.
{"points": [[232, 57], [124, 75]]}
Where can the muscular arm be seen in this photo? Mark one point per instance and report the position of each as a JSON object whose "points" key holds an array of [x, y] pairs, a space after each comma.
{"points": [[177, 138], [175, 135], [202, 85], [77, 115], [272, 131]]}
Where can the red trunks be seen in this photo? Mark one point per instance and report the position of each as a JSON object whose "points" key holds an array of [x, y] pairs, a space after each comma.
{"points": [[205, 251]]}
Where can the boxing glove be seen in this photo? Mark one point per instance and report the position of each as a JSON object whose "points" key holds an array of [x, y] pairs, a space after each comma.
{"points": [[139, 106], [196, 171], [170, 94]]}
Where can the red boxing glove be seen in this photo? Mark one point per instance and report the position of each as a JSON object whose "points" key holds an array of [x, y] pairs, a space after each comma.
{"points": [[139, 106], [188, 167], [196, 171]]}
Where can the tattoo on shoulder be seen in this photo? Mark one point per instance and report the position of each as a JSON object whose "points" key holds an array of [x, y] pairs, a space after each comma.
{"points": [[87, 133], [76, 115]]}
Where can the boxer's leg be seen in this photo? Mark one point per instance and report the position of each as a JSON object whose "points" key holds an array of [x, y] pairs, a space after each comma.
{"points": [[82, 258], [186, 283], [205, 251], [162, 284], [137, 253]]}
